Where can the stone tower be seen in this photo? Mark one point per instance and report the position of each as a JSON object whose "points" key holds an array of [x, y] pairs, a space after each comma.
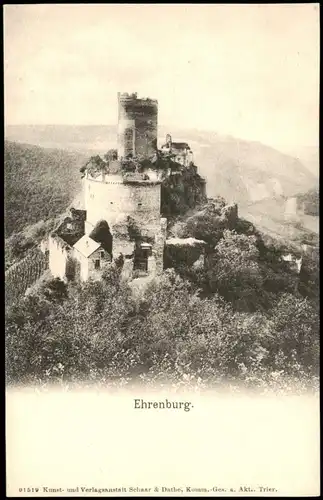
{"points": [[137, 126]]}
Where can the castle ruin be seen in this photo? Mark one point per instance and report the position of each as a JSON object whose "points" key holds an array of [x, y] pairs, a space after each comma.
{"points": [[121, 221]]}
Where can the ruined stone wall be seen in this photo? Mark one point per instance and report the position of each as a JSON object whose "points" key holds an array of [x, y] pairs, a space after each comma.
{"points": [[72, 228], [158, 249], [123, 246], [83, 265], [127, 248], [137, 125], [59, 253]]}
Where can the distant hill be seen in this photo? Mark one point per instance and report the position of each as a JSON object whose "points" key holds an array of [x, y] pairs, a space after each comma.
{"points": [[89, 139], [39, 183], [247, 172], [308, 155], [269, 217]]}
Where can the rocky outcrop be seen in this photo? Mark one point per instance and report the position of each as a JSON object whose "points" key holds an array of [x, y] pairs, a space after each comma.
{"points": [[183, 252], [209, 222], [182, 191]]}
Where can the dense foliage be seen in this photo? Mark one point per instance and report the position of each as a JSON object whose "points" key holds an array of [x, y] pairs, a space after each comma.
{"points": [[172, 332], [310, 201]]}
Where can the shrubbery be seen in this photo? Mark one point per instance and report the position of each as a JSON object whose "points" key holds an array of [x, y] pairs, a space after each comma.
{"points": [[99, 332]]}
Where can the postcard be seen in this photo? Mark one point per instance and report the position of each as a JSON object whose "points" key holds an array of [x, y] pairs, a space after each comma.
{"points": [[162, 250]]}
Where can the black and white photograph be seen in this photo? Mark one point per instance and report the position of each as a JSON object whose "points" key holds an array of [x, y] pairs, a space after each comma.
{"points": [[161, 181]]}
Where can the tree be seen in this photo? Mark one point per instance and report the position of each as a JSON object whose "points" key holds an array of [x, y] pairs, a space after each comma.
{"points": [[234, 271], [95, 165], [295, 332], [309, 277], [111, 155]]}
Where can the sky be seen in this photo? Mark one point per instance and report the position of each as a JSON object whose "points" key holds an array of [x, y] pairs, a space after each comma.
{"points": [[250, 71]]}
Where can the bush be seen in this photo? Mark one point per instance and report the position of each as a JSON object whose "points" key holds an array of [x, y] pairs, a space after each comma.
{"points": [[100, 332]]}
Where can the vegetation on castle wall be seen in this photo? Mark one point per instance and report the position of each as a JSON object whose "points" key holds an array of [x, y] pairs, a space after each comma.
{"points": [[95, 165], [180, 192], [111, 155]]}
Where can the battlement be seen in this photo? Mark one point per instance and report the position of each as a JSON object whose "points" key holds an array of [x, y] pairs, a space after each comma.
{"points": [[141, 182], [130, 178], [105, 178], [125, 97]]}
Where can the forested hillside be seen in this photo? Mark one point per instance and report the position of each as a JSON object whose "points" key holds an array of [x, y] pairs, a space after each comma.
{"points": [[39, 183]]}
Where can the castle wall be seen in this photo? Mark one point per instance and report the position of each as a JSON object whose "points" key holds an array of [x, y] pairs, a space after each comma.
{"points": [[58, 256], [123, 246], [158, 251], [183, 156], [126, 137], [112, 200], [155, 261], [137, 125]]}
